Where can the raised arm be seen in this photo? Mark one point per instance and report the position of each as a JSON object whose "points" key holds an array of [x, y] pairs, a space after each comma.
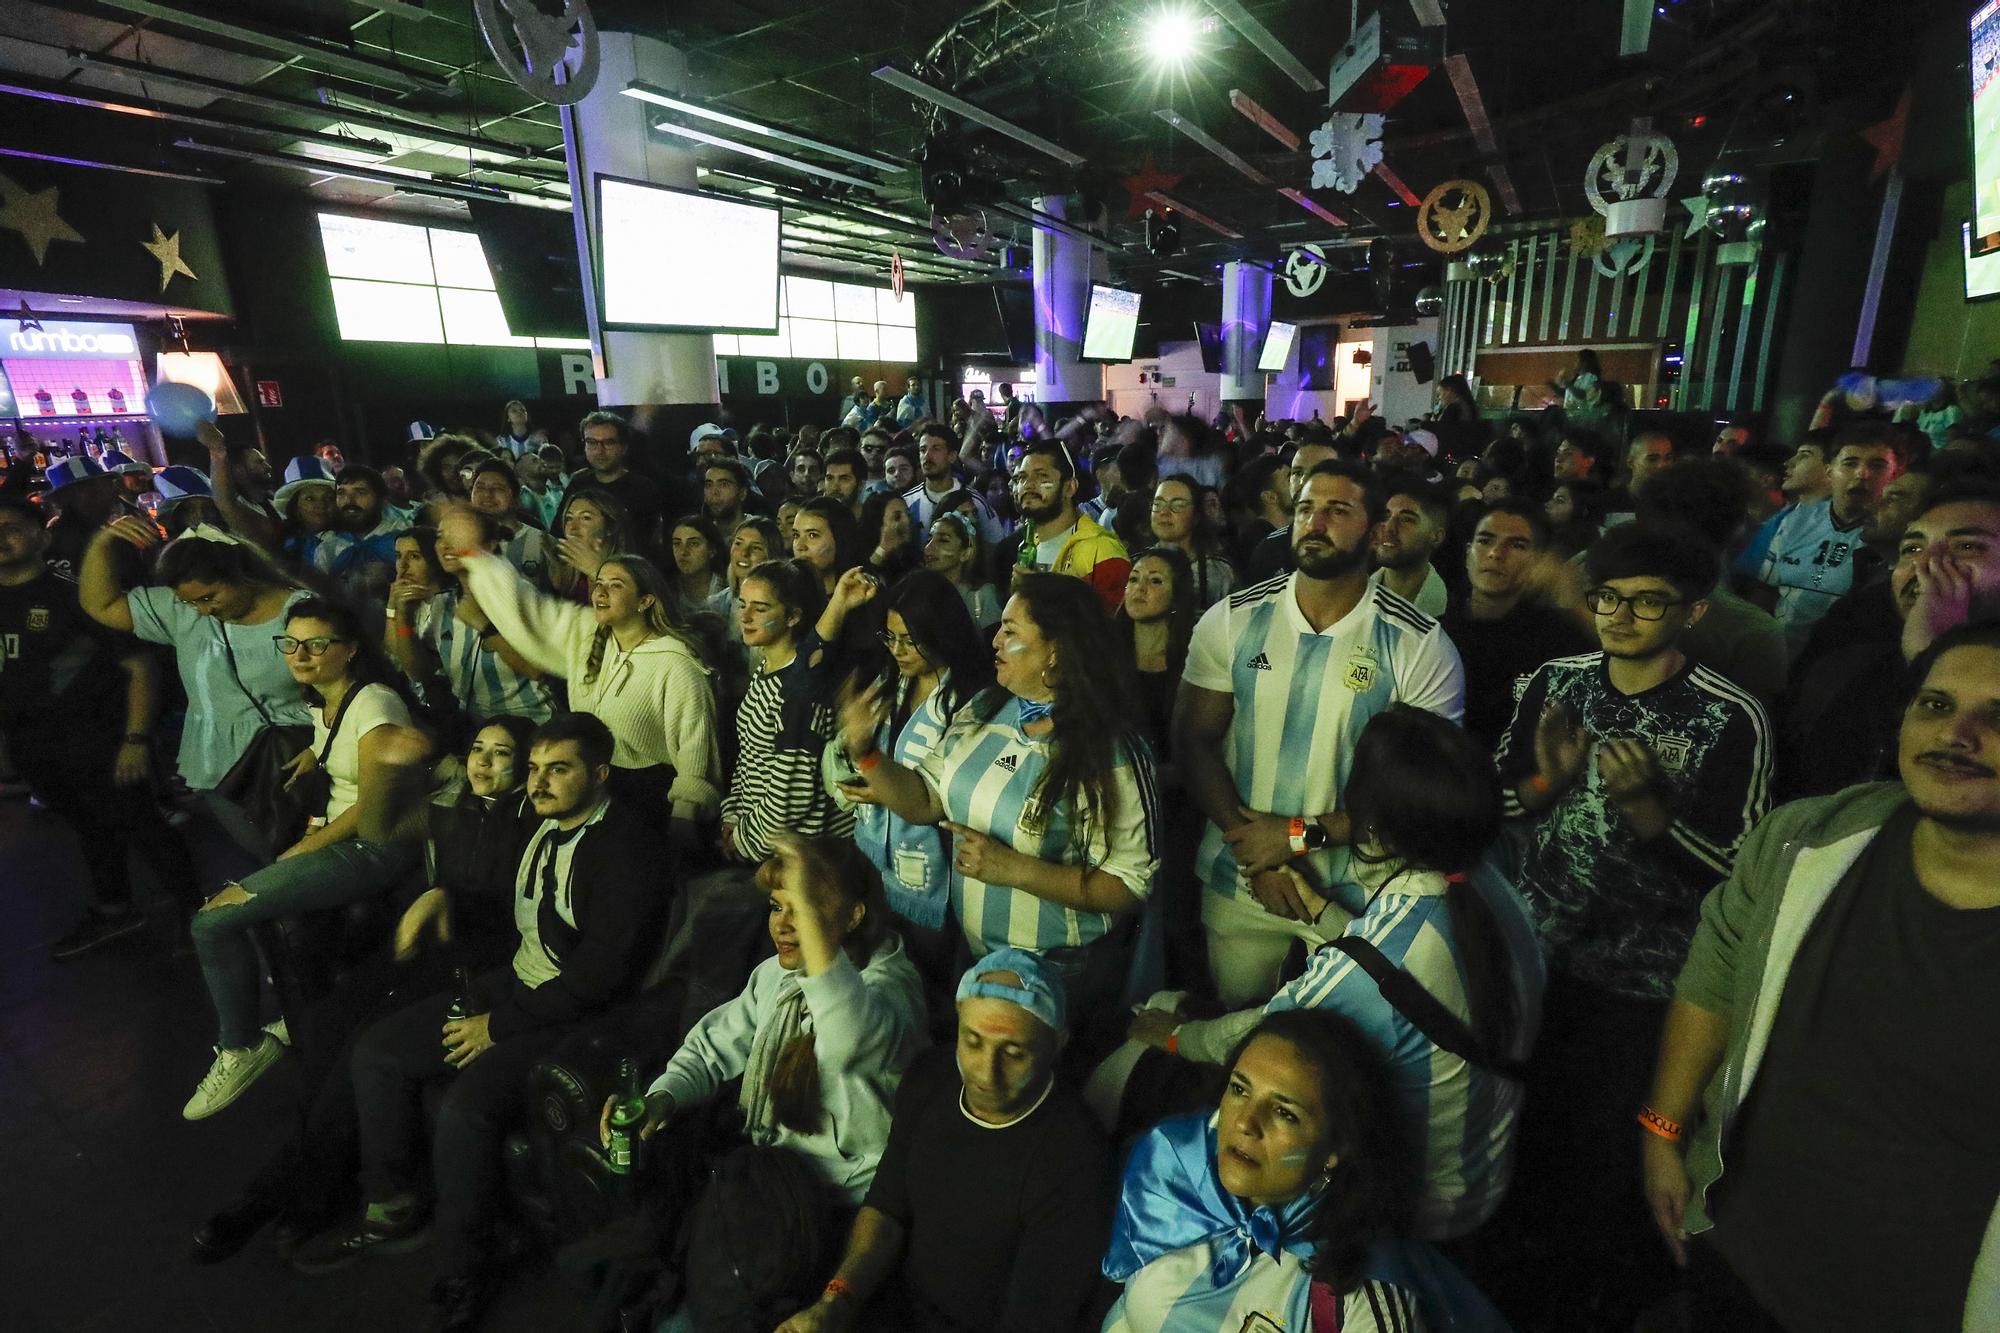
{"points": [[902, 790], [543, 630], [244, 521], [98, 591]]}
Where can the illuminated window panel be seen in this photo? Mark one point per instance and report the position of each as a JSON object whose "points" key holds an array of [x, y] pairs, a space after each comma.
{"points": [[814, 337], [460, 261], [384, 251], [809, 298], [888, 310], [899, 344], [725, 344], [564, 344], [859, 342], [387, 312], [854, 304], [767, 344], [474, 319]]}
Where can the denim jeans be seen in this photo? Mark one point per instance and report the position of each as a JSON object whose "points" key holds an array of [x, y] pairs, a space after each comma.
{"points": [[346, 872]]}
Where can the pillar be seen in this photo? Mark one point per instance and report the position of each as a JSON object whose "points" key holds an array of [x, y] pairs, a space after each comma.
{"points": [[1246, 314], [1062, 274], [610, 134]]}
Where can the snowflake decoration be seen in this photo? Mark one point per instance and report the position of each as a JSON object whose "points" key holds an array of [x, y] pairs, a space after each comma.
{"points": [[1345, 150], [1587, 237]]}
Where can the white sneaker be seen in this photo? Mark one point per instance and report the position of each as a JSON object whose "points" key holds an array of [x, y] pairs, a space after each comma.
{"points": [[226, 1079], [276, 1027]]}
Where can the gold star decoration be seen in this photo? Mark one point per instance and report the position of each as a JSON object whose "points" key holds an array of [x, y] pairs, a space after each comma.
{"points": [[1587, 237], [167, 249], [33, 214]]}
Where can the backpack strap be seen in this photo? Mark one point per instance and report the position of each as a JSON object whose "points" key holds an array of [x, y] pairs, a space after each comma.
{"points": [[1444, 1028]]}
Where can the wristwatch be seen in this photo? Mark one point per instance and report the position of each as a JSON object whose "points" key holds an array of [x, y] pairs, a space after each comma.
{"points": [[1306, 835]]}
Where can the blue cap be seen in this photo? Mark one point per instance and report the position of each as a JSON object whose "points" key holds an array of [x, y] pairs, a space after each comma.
{"points": [[69, 471], [181, 483], [1040, 991], [420, 430], [303, 471], [117, 460]]}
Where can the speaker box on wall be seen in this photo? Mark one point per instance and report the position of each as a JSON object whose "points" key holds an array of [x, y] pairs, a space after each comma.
{"points": [[1318, 344], [1422, 364]]}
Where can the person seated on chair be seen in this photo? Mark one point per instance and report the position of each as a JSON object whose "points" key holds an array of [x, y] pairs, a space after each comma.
{"points": [[1024, 1259], [590, 908], [1425, 803], [821, 1033]]}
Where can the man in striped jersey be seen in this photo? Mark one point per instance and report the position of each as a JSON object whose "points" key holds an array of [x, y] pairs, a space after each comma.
{"points": [[1281, 678], [1642, 772]]}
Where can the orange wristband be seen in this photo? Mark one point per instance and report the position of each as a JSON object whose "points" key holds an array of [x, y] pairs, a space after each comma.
{"points": [[837, 1287], [1540, 783], [869, 762], [1655, 1123], [1174, 1042], [1295, 835]]}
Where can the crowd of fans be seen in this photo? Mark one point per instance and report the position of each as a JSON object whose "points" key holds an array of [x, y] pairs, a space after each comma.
{"points": [[1370, 878]]}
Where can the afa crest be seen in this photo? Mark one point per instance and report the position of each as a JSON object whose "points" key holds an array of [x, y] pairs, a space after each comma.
{"points": [[1674, 752], [1360, 673], [38, 618]]}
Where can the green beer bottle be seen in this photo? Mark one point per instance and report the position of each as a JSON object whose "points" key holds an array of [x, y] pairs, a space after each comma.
{"points": [[627, 1118]]}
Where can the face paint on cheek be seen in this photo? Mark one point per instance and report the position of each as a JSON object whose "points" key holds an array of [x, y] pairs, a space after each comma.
{"points": [[1014, 647]]}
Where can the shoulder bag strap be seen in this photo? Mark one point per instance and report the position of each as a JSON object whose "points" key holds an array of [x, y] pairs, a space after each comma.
{"points": [[333, 727], [1444, 1028], [229, 652]]}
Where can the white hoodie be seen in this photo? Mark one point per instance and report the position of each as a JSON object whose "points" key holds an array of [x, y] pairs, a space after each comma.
{"points": [[657, 699]]}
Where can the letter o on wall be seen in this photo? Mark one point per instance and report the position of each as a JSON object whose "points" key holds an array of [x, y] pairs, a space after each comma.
{"points": [[816, 378]]}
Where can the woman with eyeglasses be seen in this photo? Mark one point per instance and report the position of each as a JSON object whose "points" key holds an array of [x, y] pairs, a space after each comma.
{"points": [[1045, 784], [217, 603], [1181, 521], [344, 679], [953, 550], [632, 659], [939, 665]]}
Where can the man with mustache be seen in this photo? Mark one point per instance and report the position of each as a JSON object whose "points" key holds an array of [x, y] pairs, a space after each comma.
{"points": [[1281, 678], [1839, 719], [362, 553], [1836, 1020], [1809, 557]]}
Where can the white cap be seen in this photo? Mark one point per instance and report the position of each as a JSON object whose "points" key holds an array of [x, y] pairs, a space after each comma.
{"points": [[702, 432], [1423, 439]]}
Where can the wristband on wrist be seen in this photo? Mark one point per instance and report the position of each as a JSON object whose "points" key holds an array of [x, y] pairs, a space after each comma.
{"points": [[1295, 835], [405, 632], [1655, 1123], [1174, 1042], [837, 1289], [867, 763], [1538, 783]]}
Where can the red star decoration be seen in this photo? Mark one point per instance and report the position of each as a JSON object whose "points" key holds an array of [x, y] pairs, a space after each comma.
{"points": [[1887, 138], [1143, 183]]}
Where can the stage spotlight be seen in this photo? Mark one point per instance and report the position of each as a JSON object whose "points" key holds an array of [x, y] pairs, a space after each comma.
{"points": [[1172, 36]]}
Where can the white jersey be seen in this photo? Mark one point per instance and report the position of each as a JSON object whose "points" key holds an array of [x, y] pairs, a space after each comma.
{"points": [[1302, 698], [1810, 562]]}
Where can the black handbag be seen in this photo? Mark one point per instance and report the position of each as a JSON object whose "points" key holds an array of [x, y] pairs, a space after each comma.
{"points": [[257, 782]]}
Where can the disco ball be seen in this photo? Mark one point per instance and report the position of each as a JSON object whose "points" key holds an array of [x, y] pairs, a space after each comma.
{"points": [[1735, 205], [1429, 301]]}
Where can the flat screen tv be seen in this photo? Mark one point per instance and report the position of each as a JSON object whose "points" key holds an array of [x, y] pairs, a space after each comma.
{"points": [[1110, 325], [1277, 346], [682, 260]]}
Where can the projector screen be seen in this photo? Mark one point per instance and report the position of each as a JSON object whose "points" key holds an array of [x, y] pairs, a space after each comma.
{"points": [[1277, 346], [680, 259], [1112, 324], [1985, 66]]}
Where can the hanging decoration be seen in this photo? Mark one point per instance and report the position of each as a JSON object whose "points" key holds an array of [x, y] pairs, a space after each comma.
{"points": [[1142, 185], [29, 323], [1454, 216], [962, 233], [1345, 149], [896, 273], [1305, 270], [1622, 258], [533, 47], [1886, 137], [1697, 207], [167, 250], [1492, 265], [1639, 165], [1587, 237], [33, 214]]}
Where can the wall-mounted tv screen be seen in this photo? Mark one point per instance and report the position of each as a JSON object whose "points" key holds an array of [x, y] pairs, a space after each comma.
{"points": [[1985, 66], [1210, 338], [1277, 346], [1982, 272], [684, 260], [1111, 324]]}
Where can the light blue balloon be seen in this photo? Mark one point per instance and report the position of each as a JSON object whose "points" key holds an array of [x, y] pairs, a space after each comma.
{"points": [[179, 408]]}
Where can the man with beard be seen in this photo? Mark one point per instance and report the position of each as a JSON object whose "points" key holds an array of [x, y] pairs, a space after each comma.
{"points": [[1053, 536], [724, 484], [1281, 678], [1641, 773], [1412, 531], [243, 482], [1272, 555], [1839, 719], [362, 554], [1809, 557], [937, 451], [1836, 1019]]}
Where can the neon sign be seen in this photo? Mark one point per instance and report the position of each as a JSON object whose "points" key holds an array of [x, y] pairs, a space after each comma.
{"points": [[64, 338]]}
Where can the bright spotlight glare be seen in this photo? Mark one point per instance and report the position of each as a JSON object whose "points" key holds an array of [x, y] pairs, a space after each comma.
{"points": [[1171, 36]]}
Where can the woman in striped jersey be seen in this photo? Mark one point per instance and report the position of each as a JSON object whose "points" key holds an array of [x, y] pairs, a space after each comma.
{"points": [[1277, 1211], [1045, 786]]}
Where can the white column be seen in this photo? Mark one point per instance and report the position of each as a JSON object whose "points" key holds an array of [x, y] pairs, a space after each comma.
{"points": [[1063, 269], [1246, 314], [609, 134]]}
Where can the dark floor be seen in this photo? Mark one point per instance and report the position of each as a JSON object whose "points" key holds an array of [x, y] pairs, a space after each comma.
{"points": [[102, 1182]]}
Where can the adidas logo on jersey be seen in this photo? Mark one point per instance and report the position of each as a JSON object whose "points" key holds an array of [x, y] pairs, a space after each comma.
{"points": [[1260, 663], [1011, 763]]}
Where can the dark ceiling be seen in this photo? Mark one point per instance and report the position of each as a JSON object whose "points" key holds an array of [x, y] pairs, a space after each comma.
{"points": [[408, 85]]}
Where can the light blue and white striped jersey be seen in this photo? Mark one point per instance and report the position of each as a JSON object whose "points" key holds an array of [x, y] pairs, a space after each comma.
{"points": [[1178, 1293], [1465, 1117], [915, 859], [484, 685], [1302, 698], [528, 550], [984, 774], [1811, 564]]}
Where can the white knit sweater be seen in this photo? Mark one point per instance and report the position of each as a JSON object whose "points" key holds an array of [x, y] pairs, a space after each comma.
{"points": [[657, 699]]}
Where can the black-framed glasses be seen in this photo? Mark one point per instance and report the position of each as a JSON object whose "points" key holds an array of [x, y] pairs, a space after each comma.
{"points": [[314, 647], [896, 642], [1645, 605]]}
